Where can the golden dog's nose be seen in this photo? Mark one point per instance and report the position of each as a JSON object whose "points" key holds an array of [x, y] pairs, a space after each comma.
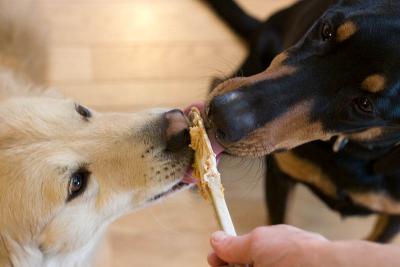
{"points": [[177, 130]]}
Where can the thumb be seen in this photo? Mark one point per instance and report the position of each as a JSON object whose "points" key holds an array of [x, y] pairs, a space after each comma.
{"points": [[232, 249]]}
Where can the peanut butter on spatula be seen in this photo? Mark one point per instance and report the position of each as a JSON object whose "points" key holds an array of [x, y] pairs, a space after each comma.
{"points": [[205, 170]]}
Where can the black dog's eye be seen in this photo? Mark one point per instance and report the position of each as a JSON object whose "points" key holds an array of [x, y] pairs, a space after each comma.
{"points": [[84, 112], [364, 104], [326, 32], [77, 183]]}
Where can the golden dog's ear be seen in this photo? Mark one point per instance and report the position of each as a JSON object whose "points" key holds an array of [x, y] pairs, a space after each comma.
{"points": [[8, 134]]}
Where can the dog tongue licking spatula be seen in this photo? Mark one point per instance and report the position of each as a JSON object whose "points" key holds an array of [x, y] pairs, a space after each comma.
{"points": [[205, 170]]}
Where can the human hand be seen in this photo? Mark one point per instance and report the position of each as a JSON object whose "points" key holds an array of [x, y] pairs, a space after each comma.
{"points": [[274, 246]]}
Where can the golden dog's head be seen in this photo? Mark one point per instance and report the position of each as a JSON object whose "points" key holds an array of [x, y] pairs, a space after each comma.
{"points": [[67, 171]]}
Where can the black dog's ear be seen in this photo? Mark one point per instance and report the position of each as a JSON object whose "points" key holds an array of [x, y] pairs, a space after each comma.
{"points": [[389, 164]]}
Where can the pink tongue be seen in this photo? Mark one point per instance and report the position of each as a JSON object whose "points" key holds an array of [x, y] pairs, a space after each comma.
{"points": [[218, 149]]}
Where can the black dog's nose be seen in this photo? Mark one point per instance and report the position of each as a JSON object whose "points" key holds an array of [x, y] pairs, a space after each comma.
{"points": [[231, 117], [176, 131]]}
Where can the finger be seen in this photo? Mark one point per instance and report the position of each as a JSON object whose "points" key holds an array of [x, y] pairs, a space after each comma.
{"points": [[232, 249], [214, 261]]}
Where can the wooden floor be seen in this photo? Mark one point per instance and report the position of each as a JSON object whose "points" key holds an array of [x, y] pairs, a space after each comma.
{"points": [[125, 55]]}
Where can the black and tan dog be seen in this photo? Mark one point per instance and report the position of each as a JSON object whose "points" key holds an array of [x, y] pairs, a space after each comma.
{"points": [[327, 105]]}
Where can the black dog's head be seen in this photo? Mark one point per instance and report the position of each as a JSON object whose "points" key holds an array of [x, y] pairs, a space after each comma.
{"points": [[342, 77]]}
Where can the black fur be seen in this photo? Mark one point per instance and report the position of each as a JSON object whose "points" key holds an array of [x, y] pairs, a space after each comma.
{"points": [[329, 74]]}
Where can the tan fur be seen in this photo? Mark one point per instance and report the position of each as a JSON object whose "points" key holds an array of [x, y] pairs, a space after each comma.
{"points": [[379, 228], [278, 61], [379, 202], [272, 73], [345, 31], [276, 70], [43, 141], [374, 83], [284, 132], [367, 135], [305, 171]]}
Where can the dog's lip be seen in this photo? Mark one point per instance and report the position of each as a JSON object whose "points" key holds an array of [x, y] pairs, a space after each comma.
{"points": [[176, 187], [188, 177]]}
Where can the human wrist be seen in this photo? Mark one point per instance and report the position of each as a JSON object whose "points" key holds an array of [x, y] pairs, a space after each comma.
{"points": [[315, 251], [336, 253], [358, 254], [333, 254]]}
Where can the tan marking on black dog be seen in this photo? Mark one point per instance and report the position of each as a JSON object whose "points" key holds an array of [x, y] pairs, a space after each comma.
{"points": [[274, 71], [229, 85], [287, 131], [367, 135], [380, 226], [378, 202], [278, 61], [374, 83], [305, 171], [345, 31]]}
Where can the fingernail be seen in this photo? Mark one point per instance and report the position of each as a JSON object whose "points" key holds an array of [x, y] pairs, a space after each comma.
{"points": [[218, 237]]}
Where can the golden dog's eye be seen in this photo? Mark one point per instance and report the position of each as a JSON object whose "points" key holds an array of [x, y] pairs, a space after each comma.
{"points": [[77, 183], [326, 31], [84, 112]]}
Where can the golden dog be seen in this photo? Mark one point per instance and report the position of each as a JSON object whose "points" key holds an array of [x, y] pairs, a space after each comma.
{"points": [[66, 172]]}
